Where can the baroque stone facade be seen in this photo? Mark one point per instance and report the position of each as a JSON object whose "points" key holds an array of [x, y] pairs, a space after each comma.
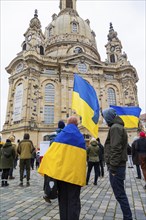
{"points": [[41, 75]]}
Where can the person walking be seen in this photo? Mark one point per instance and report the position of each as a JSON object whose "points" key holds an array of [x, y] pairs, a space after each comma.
{"points": [[135, 158], [25, 149], [32, 160], [37, 162], [12, 139], [115, 151], [7, 156], [65, 161], [1, 145], [93, 160], [141, 148], [129, 152], [101, 158]]}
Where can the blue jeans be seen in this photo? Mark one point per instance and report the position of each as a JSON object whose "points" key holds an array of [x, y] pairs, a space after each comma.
{"points": [[117, 184]]}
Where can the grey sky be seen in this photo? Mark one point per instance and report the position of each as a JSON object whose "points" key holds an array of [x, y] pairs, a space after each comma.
{"points": [[127, 17]]}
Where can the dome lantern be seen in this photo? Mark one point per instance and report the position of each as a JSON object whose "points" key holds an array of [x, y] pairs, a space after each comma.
{"points": [[67, 4]]}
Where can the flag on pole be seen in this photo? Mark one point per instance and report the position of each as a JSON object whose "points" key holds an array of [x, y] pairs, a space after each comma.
{"points": [[85, 103], [130, 115]]}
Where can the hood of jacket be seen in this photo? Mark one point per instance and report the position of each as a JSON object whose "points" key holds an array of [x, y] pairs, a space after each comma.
{"points": [[9, 144], [117, 120], [109, 114]]}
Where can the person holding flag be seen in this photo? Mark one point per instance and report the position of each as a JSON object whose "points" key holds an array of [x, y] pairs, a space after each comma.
{"points": [[115, 151]]}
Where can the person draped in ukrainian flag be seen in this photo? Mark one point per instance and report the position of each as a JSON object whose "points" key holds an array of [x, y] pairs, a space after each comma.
{"points": [[65, 161]]}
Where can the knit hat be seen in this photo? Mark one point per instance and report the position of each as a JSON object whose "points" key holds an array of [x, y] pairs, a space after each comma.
{"points": [[142, 134], [61, 124], [8, 141], [109, 114]]}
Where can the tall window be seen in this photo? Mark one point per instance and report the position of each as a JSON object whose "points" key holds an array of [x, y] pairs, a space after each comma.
{"points": [[50, 31], [69, 4], [24, 46], [74, 27], [49, 104], [111, 96], [49, 93], [18, 103], [112, 58], [41, 50], [48, 114]]}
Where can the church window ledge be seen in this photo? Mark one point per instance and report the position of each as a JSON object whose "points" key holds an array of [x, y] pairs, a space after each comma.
{"points": [[49, 71], [109, 76]]}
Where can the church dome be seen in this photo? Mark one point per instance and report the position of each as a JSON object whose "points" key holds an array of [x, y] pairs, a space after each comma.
{"points": [[68, 29]]}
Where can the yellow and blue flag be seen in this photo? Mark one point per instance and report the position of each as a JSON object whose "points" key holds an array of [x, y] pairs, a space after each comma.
{"points": [[130, 115], [85, 103], [65, 159]]}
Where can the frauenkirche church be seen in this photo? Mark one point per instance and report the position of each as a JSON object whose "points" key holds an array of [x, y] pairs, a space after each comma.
{"points": [[42, 74]]}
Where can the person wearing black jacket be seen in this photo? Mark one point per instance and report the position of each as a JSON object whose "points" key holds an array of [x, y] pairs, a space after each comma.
{"points": [[101, 158], [141, 148], [135, 158], [7, 156]]}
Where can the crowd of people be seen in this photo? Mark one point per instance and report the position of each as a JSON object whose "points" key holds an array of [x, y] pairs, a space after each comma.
{"points": [[68, 157], [10, 153]]}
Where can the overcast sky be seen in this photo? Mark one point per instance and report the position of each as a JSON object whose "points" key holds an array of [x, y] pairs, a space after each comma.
{"points": [[127, 17]]}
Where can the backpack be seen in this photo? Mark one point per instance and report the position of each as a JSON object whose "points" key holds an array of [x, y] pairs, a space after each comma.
{"points": [[50, 187]]}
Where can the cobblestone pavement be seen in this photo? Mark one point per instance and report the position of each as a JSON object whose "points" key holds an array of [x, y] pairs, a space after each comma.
{"points": [[98, 202]]}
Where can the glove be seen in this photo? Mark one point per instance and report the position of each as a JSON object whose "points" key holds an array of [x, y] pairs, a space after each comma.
{"points": [[113, 172]]}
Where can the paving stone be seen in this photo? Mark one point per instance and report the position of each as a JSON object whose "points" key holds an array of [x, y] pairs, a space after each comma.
{"points": [[97, 202]]}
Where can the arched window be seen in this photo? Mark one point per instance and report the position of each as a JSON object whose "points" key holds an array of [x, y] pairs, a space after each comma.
{"points": [[41, 50], [49, 104], [111, 96], [49, 93], [18, 103], [24, 46], [112, 58], [74, 27]]}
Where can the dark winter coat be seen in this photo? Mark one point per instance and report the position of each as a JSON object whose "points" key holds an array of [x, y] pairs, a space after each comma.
{"points": [[93, 152], [141, 145], [115, 148], [135, 153], [1, 154], [101, 152], [7, 156]]}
